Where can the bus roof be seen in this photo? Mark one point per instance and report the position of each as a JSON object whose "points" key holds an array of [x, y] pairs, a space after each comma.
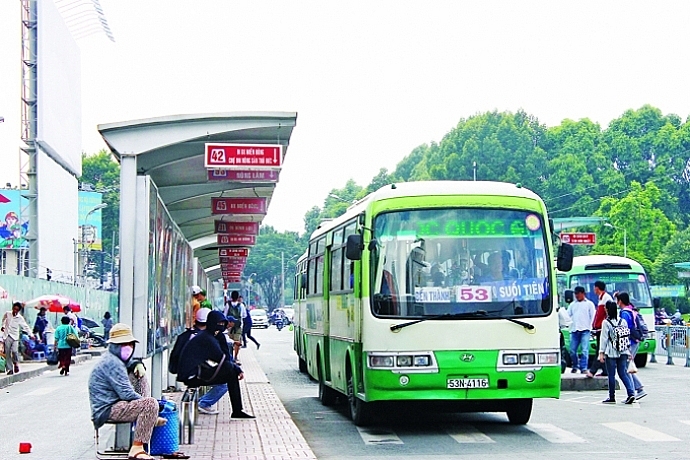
{"points": [[604, 262], [429, 188]]}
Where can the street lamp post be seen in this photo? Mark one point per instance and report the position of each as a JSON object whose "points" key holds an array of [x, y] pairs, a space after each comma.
{"points": [[249, 288], [474, 170], [282, 276], [625, 237]]}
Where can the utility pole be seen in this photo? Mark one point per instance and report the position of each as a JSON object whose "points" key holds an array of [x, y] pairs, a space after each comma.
{"points": [[282, 279]]}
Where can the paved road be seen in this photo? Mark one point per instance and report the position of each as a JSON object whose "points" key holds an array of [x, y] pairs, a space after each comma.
{"points": [[577, 424], [52, 413]]}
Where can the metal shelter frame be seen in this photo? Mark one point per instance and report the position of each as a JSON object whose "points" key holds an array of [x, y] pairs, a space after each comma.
{"points": [[170, 150]]}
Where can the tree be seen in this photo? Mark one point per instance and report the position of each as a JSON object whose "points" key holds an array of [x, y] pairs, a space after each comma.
{"points": [[677, 250], [265, 260], [646, 226], [102, 172]]}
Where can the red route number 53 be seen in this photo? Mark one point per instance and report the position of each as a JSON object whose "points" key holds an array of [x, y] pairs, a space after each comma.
{"points": [[474, 294]]}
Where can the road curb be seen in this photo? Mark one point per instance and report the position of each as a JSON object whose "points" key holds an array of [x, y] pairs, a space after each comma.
{"points": [[7, 380], [579, 382]]}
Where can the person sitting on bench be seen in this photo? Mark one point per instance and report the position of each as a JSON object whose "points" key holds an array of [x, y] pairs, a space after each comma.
{"points": [[114, 399], [206, 360]]}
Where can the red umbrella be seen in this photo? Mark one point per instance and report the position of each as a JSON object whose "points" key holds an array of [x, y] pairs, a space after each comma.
{"points": [[54, 303]]}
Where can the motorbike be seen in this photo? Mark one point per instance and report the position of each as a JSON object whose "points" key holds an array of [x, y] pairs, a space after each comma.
{"points": [[279, 323], [92, 338]]}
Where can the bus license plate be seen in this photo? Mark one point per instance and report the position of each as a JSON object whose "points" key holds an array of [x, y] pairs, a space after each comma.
{"points": [[465, 384]]}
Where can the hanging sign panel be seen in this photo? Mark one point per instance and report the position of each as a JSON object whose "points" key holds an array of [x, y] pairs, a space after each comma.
{"points": [[233, 252], [233, 260], [236, 228], [243, 175], [236, 240], [247, 156], [579, 238], [234, 280], [243, 206], [231, 267]]}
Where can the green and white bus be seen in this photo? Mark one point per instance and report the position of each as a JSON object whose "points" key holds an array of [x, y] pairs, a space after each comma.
{"points": [[433, 291], [620, 274]]}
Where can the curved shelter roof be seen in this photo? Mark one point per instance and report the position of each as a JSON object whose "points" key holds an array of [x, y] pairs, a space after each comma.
{"points": [[171, 150]]}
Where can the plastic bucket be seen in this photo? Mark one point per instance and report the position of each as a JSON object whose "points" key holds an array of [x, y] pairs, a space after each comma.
{"points": [[166, 439]]}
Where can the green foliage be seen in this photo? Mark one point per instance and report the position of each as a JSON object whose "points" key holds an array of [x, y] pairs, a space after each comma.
{"points": [[265, 260], [103, 173], [677, 250]]}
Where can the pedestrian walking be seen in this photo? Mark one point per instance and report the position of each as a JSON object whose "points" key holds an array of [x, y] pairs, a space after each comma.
{"points": [[615, 352], [63, 347], [234, 309], [13, 323], [107, 322], [247, 329], [628, 313], [581, 311], [41, 324], [599, 317]]}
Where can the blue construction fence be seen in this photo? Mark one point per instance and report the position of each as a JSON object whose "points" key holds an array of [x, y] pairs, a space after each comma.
{"points": [[94, 303]]}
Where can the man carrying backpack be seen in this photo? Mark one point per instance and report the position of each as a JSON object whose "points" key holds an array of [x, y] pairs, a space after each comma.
{"points": [[234, 309], [638, 331]]}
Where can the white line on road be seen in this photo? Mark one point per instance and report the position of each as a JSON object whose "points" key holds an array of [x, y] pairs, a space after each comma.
{"points": [[466, 434], [687, 422], [640, 432], [554, 434], [41, 391], [378, 436]]}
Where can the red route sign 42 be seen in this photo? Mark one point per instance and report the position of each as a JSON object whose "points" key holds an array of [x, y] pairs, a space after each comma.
{"points": [[247, 156], [579, 238]]}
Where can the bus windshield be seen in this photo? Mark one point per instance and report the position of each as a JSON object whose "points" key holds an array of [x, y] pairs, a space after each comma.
{"points": [[449, 261], [635, 284]]}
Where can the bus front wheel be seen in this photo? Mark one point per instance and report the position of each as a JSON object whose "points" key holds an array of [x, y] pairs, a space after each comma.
{"points": [[519, 411], [360, 411]]}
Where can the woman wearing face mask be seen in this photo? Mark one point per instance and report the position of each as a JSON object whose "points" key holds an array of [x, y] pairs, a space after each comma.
{"points": [[206, 360], [112, 396]]}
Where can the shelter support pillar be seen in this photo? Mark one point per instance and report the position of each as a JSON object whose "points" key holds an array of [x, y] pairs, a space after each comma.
{"points": [[128, 201]]}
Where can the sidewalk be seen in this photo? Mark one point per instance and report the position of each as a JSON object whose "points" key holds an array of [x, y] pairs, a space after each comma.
{"points": [[271, 436]]}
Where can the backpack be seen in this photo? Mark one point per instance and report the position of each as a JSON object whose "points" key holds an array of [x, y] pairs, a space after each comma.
{"points": [[236, 311], [620, 335], [641, 325]]}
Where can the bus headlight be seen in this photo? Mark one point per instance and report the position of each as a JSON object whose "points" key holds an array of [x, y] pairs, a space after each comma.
{"points": [[404, 361], [424, 360], [548, 358], [510, 359], [381, 361], [527, 358]]}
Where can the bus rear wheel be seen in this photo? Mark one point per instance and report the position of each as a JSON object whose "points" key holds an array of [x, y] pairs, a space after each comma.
{"points": [[302, 365], [520, 411], [327, 395], [360, 411], [641, 360]]}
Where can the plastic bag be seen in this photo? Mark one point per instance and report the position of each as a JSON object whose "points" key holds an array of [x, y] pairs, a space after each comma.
{"points": [[632, 368]]}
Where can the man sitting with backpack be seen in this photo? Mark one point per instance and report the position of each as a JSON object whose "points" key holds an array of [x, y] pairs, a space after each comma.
{"points": [[638, 332]]}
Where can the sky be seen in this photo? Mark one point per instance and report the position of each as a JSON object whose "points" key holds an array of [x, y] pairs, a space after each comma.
{"points": [[370, 80]]}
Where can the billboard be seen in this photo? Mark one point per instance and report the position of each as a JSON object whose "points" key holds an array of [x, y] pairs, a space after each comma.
{"points": [[59, 89], [12, 227], [90, 225]]}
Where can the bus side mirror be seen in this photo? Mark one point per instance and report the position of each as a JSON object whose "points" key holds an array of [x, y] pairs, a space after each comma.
{"points": [[656, 302], [564, 259], [568, 296], [354, 248]]}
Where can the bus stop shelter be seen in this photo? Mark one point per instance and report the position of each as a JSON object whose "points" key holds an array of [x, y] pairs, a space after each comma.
{"points": [[166, 189]]}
